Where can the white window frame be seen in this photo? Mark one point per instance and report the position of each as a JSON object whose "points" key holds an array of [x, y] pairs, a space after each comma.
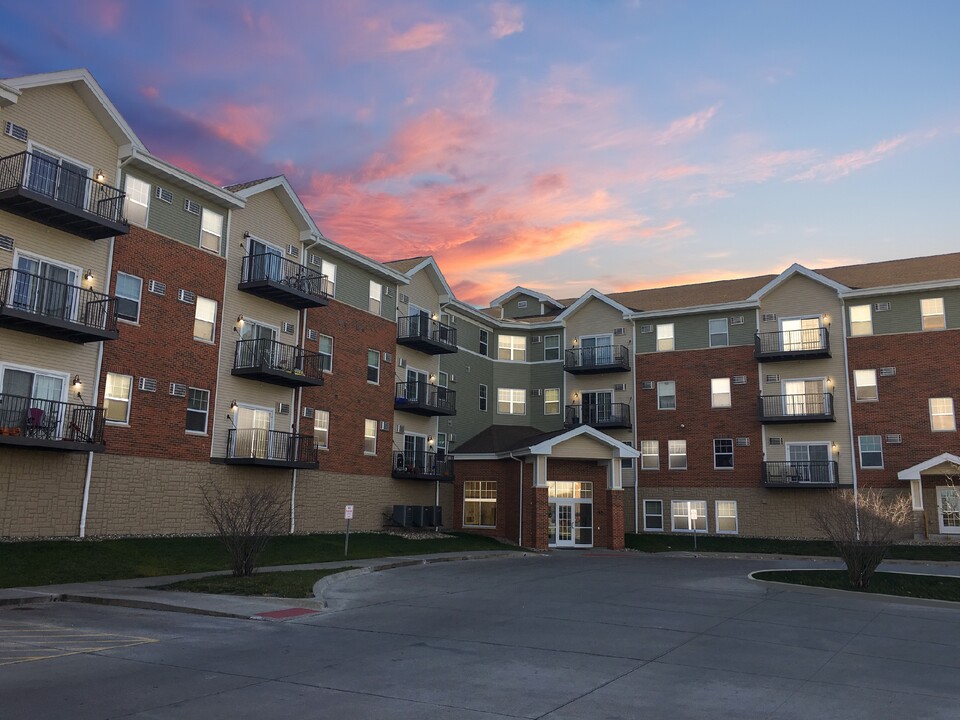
{"points": [[479, 488], [376, 366], [943, 402], [717, 452], [138, 299], [718, 517], [369, 437], [944, 492], [321, 428], [666, 340], [376, 297], [205, 413], [107, 398], [672, 453], [860, 326], [686, 506], [329, 269], [720, 397], [647, 514], [548, 341], [131, 197], [725, 333], [879, 449], [928, 319], [483, 345], [203, 302], [646, 446], [323, 354], [483, 398], [662, 385], [509, 398], [206, 214], [549, 401], [860, 388], [514, 347]]}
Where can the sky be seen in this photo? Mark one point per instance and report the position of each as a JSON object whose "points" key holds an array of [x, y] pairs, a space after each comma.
{"points": [[558, 145]]}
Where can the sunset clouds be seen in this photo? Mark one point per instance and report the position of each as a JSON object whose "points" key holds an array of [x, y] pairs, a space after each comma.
{"points": [[558, 146]]}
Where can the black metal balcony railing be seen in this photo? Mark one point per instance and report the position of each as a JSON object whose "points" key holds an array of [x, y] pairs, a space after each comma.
{"points": [[809, 407], [277, 363], [602, 359], [275, 278], [614, 415], [425, 399], [792, 344], [800, 473], [61, 195], [42, 306], [38, 423], [422, 465], [426, 335], [256, 446]]}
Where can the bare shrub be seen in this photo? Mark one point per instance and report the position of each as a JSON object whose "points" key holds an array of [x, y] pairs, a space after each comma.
{"points": [[244, 521], [862, 528]]}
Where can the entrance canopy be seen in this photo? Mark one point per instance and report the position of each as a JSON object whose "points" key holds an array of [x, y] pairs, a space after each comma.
{"points": [[503, 441], [943, 464]]}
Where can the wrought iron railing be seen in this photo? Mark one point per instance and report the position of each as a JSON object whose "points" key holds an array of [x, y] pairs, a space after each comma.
{"points": [[266, 354], [426, 395], [808, 406], [598, 415], [55, 300], [420, 463], [420, 326], [810, 340], [271, 445], [800, 473], [270, 266], [600, 357], [39, 419], [48, 177]]}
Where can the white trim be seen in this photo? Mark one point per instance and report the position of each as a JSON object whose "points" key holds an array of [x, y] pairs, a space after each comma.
{"points": [[643, 505], [140, 159], [694, 310], [898, 289], [914, 472], [520, 290], [716, 517], [593, 294], [798, 269], [4, 366]]}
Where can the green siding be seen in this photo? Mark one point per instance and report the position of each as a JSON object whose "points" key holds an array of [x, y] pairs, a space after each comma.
{"points": [[904, 313], [170, 219], [470, 371], [535, 350], [692, 332], [353, 285], [511, 309], [468, 335]]}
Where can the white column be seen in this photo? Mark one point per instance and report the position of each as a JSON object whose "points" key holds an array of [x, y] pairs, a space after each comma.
{"points": [[540, 471], [916, 494], [614, 476]]}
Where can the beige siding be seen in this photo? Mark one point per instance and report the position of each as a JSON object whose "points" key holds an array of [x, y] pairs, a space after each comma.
{"points": [[581, 447]]}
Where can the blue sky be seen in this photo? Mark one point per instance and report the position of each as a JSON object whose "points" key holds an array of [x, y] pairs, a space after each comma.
{"points": [[558, 145]]}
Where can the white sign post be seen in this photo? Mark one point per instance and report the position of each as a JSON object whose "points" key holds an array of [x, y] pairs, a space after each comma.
{"points": [[694, 516], [348, 516]]}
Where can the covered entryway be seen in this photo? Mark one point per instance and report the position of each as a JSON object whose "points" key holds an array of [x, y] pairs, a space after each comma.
{"points": [[935, 493]]}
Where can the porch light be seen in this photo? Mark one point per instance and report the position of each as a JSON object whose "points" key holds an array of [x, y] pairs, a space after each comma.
{"points": [[433, 377], [100, 177], [88, 275], [239, 325], [430, 440], [77, 385], [233, 406]]}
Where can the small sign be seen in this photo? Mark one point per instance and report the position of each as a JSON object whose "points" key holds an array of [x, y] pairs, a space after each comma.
{"points": [[348, 512], [694, 515]]}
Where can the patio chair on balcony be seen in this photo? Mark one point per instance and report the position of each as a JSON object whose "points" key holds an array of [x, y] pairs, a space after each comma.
{"points": [[40, 424]]}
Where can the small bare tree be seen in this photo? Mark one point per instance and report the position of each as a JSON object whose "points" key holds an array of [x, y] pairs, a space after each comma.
{"points": [[244, 521], [862, 527]]}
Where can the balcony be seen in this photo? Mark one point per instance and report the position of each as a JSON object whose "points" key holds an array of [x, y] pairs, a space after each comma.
{"points": [[809, 408], [273, 362], [800, 474], [50, 425], [792, 345], [426, 335], [41, 306], [422, 465], [594, 360], [423, 398], [608, 417], [274, 278], [271, 448], [61, 195]]}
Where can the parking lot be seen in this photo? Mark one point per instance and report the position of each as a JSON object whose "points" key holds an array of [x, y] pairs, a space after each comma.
{"points": [[567, 635]]}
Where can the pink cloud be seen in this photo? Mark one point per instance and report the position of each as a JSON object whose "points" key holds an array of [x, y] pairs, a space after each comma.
{"points": [[151, 92], [685, 127], [507, 20], [842, 165], [109, 13], [247, 126], [419, 37]]}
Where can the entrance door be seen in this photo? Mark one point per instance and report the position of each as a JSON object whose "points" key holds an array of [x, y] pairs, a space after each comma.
{"points": [[564, 512], [266, 261], [948, 508], [44, 288], [414, 453], [597, 350], [801, 333], [36, 402], [570, 521], [419, 322], [252, 438], [57, 177], [416, 387], [810, 462], [596, 407], [803, 397], [260, 353]]}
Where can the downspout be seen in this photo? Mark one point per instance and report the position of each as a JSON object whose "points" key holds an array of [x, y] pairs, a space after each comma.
{"points": [[636, 433], [846, 381], [520, 514], [295, 422]]}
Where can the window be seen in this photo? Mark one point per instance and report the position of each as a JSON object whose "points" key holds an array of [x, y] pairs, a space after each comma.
{"points": [[684, 512], [198, 408], [484, 348], [551, 401], [665, 337], [551, 347], [326, 353], [129, 288], [511, 401], [521, 304], [649, 454], [666, 395], [512, 347], [727, 517], [861, 321], [871, 451], [116, 398], [373, 366], [865, 384], [376, 293], [720, 392], [653, 515], [723, 454], [369, 437], [441, 442], [719, 333], [328, 269], [480, 503], [678, 454], [137, 201], [205, 319], [941, 415], [626, 463], [211, 230], [321, 429], [931, 314], [483, 398]]}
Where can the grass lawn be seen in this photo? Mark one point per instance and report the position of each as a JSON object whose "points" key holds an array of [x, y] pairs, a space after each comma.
{"points": [[288, 584], [45, 562], [918, 586], [650, 542]]}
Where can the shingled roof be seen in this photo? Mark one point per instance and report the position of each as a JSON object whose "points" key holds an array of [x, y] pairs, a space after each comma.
{"points": [[405, 264], [250, 183]]}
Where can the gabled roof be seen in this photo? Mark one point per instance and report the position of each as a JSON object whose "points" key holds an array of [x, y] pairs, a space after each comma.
{"points": [[249, 184], [909, 271], [92, 94], [589, 295], [411, 266], [405, 264], [798, 269], [142, 159], [520, 290], [288, 198], [913, 473], [506, 440]]}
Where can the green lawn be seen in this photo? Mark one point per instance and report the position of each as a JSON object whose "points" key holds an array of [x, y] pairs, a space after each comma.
{"points": [[918, 586], [650, 542], [287, 584], [45, 562]]}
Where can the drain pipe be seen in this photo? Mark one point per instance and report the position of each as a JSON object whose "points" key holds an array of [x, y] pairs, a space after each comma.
{"points": [[520, 518]]}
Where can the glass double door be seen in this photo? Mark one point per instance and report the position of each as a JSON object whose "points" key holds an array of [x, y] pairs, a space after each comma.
{"points": [[57, 177], [570, 523], [44, 288], [253, 436]]}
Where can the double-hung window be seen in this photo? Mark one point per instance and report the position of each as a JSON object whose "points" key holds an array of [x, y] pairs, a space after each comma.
{"points": [[205, 319], [373, 366], [211, 230], [720, 392], [551, 347], [551, 401], [484, 343], [511, 401], [727, 517], [512, 347], [376, 295], [719, 333], [666, 395], [321, 429], [932, 316], [871, 451], [865, 384], [861, 320], [137, 201], [482, 398], [116, 398], [653, 515], [326, 353], [942, 418], [665, 337], [689, 515], [480, 503], [369, 437], [723, 454], [129, 290], [678, 454], [198, 409], [649, 454]]}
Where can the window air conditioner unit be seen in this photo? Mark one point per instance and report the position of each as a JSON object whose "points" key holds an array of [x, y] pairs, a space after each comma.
{"points": [[620, 387], [452, 378], [164, 195], [888, 371], [736, 320], [620, 331], [385, 425], [387, 291], [404, 298], [452, 437], [388, 357], [894, 439], [288, 328], [17, 132], [538, 392], [775, 440], [315, 260], [293, 251], [399, 429], [743, 442], [148, 384], [536, 339], [739, 379], [6, 243], [402, 363], [178, 389], [773, 378], [187, 296], [308, 412], [283, 408], [646, 328], [313, 335], [769, 317], [157, 287], [881, 307], [191, 206], [647, 385]]}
